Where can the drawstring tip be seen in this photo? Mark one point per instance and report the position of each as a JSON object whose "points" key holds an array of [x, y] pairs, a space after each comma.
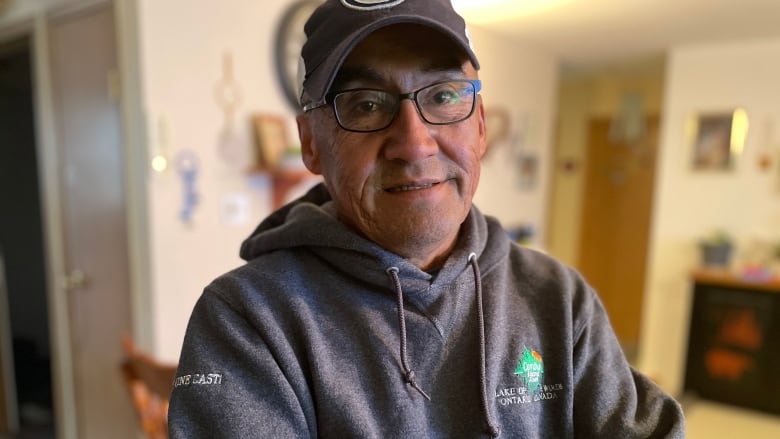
{"points": [[494, 431], [422, 392], [409, 378]]}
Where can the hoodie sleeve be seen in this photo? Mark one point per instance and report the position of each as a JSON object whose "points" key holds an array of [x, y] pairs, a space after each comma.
{"points": [[229, 384], [611, 398]]}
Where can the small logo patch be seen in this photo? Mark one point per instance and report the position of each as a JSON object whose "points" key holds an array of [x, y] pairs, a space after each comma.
{"points": [[370, 5], [531, 369], [198, 379]]}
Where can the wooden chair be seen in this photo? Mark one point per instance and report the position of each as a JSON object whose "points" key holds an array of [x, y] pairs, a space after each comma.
{"points": [[149, 383]]}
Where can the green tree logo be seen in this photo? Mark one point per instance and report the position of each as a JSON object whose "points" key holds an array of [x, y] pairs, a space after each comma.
{"points": [[531, 369]]}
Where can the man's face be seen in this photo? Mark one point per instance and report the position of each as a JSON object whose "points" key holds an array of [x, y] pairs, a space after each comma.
{"points": [[409, 186]]}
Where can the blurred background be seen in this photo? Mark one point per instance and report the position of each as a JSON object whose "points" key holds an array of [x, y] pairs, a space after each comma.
{"points": [[142, 140]]}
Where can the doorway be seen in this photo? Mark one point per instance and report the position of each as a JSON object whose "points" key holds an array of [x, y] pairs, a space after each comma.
{"points": [[90, 151], [27, 401], [619, 180], [73, 174]]}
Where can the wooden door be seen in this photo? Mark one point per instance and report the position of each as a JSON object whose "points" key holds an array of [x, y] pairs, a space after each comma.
{"points": [[83, 57], [616, 222]]}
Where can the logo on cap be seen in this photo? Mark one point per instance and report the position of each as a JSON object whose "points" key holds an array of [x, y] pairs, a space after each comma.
{"points": [[368, 5]]}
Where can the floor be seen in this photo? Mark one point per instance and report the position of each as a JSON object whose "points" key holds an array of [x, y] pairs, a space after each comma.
{"points": [[710, 420], [705, 420], [31, 433]]}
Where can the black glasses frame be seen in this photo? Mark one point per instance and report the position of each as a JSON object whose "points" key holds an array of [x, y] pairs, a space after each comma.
{"points": [[330, 99]]}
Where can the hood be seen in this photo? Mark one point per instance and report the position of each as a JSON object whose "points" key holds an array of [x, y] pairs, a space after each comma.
{"points": [[310, 221]]}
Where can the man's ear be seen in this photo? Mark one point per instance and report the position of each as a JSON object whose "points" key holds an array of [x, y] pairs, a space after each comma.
{"points": [[309, 151]]}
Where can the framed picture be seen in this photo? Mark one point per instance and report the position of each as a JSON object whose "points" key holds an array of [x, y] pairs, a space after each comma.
{"points": [[270, 140], [528, 171], [717, 139]]}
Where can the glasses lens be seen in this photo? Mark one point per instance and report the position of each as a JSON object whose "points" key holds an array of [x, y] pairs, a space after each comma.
{"points": [[442, 103], [364, 110], [446, 102]]}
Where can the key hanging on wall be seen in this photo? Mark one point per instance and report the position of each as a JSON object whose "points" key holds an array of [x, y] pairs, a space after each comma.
{"points": [[187, 165]]}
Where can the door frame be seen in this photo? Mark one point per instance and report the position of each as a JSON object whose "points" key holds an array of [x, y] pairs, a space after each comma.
{"points": [[36, 27], [9, 418]]}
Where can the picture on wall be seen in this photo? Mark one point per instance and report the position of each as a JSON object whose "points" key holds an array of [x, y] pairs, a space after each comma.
{"points": [[270, 140], [528, 171], [717, 139]]}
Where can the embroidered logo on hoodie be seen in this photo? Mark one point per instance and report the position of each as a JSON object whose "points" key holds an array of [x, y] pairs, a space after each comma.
{"points": [[532, 388], [531, 369]]}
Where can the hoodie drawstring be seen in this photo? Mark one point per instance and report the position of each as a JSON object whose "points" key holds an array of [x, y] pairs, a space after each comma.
{"points": [[408, 372], [492, 427]]}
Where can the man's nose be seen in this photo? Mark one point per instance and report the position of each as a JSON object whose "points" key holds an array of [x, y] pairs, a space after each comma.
{"points": [[410, 137]]}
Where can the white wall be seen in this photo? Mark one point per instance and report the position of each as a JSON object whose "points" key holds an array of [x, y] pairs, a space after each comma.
{"points": [[181, 51], [183, 47], [688, 204], [524, 84]]}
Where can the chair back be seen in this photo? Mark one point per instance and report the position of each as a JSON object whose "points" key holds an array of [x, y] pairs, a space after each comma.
{"points": [[149, 383]]}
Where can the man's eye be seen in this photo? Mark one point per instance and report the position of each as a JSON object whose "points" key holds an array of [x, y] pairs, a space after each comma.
{"points": [[366, 106], [444, 97], [363, 102]]}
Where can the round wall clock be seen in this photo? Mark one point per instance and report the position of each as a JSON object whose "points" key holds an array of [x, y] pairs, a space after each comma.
{"points": [[289, 41]]}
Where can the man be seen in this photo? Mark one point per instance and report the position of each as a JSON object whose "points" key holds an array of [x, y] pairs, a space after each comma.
{"points": [[383, 304]]}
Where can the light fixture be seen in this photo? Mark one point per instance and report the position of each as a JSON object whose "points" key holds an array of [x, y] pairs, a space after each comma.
{"points": [[491, 11]]}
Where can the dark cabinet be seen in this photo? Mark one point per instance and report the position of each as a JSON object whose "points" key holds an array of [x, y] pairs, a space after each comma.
{"points": [[734, 341]]}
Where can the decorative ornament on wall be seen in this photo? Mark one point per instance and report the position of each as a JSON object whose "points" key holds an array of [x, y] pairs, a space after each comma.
{"points": [[227, 94], [769, 149], [188, 167], [628, 125], [498, 123], [289, 41]]}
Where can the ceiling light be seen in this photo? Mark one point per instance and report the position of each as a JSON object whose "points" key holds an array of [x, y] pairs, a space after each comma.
{"points": [[490, 11]]}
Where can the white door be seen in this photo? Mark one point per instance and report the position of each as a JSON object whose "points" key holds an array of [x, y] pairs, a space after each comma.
{"points": [[83, 56]]}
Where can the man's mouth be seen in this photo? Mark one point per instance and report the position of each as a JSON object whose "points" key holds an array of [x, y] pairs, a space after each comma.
{"points": [[411, 187]]}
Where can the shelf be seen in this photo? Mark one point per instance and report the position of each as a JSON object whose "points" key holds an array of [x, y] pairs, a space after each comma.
{"points": [[282, 180], [727, 278]]}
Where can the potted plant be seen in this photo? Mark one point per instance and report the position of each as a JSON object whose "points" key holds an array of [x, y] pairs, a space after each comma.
{"points": [[716, 249]]}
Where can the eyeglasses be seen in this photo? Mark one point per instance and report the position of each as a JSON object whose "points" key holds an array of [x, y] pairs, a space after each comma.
{"points": [[368, 110]]}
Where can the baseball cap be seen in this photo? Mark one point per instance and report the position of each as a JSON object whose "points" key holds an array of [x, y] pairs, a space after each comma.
{"points": [[337, 26]]}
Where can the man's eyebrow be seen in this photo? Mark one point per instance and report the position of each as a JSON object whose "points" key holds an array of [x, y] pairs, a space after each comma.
{"points": [[352, 74]]}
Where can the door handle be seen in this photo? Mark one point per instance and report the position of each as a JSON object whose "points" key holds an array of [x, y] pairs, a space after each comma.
{"points": [[75, 280]]}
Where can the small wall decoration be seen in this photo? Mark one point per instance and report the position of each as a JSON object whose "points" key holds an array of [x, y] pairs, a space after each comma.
{"points": [[717, 139], [270, 140], [227, 94], [769, 150], [528, 171], [188, 166], [498, 124]]}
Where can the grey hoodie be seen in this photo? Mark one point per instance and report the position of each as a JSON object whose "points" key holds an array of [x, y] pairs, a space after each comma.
{"points": [[324, 334]]}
